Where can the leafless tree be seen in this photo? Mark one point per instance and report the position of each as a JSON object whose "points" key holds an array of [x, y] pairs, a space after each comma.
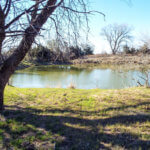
{"points": [[116, 35], [21, 21]]}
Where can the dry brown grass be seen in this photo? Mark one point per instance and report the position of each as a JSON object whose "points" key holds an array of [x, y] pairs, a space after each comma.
{"points": [[114, 59]]}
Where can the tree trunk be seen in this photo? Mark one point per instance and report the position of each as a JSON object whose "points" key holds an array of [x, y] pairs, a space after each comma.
{"points": [[3, 83], [10, 64], [1, 99]]}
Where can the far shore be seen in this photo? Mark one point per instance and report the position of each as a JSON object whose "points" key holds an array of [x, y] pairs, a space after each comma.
{"points": [[120, 59], [134, 61]]}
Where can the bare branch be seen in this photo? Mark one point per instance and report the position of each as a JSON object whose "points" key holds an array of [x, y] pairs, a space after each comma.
{"points": [[83, 12], [8, 8]]}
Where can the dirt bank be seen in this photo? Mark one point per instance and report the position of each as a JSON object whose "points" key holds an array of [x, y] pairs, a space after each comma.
{"points": [[114, 59]]}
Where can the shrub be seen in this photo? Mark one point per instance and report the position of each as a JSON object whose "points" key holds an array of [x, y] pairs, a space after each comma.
{"points": [[144, 49], [88, 50], [128, 50], [41, 54], [75, 52]]}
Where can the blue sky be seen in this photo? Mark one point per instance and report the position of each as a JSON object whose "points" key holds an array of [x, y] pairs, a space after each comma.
{"points": [[135, 13]]}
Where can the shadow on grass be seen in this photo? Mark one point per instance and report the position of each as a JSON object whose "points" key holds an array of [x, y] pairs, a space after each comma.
{"points": [[75, 137], [82, 112]]}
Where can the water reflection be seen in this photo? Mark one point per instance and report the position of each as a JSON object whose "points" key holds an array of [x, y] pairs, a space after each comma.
{"points": [[63, 76]]}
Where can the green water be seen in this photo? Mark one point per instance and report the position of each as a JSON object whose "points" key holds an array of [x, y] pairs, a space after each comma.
{"points": [[83, 78]]}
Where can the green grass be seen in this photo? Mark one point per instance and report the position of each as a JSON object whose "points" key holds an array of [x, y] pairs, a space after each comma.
{"points": [[73, 119]]}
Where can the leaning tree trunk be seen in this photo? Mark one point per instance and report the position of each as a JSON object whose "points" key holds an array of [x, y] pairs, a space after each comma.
{"points": [[1, 99], [1, 96], [10, 64], [3, 82]]}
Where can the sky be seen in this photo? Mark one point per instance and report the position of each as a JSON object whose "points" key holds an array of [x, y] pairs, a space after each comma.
{"points": [[134, 13]]}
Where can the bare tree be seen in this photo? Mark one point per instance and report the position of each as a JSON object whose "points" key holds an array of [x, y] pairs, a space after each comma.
{"points": [[116, 35], [21, 21]]}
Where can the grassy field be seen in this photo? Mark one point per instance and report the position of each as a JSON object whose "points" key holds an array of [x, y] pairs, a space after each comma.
{"points": [[72, 119]]}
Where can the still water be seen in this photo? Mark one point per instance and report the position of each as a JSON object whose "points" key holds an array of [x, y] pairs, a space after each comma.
{"points": [[82, 78]]}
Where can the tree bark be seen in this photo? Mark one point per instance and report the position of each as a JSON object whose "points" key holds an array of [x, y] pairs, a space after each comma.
{"points": [[2, 31], [1, 98]]}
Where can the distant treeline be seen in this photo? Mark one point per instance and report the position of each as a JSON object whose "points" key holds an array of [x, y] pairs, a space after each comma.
{"points": [[55, 54], [144, 49]]}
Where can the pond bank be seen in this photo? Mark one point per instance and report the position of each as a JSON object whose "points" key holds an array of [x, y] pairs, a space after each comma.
{"points": [[75, 119], [99, 60], [114, 59], [27, 64]]}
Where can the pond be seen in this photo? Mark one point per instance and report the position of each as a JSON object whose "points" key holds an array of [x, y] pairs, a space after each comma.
{"points": [[62, 76]]}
